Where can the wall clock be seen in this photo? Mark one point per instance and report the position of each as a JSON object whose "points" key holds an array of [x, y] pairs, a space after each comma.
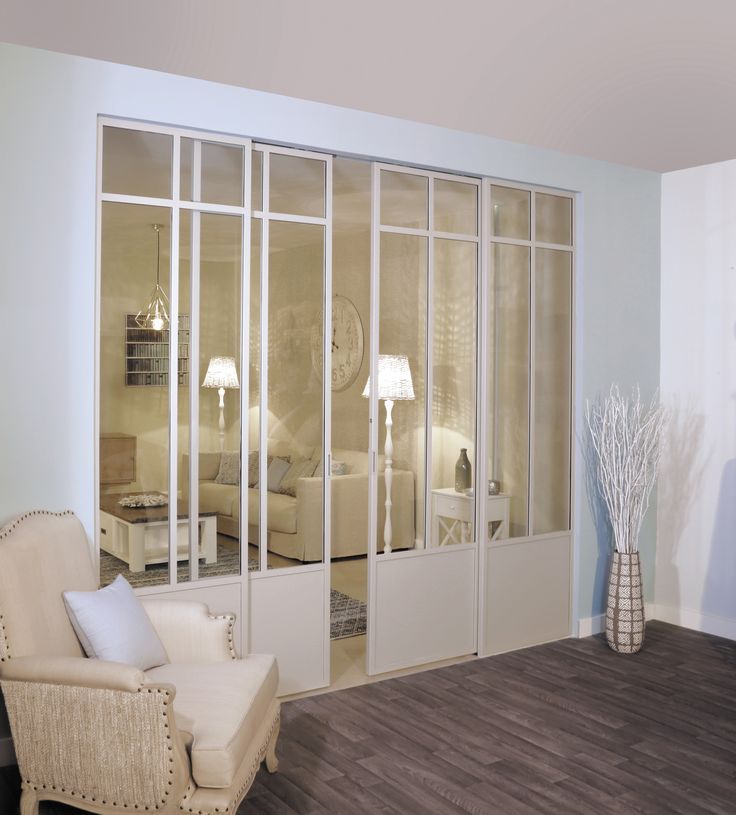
{"points": [[347, 343]]}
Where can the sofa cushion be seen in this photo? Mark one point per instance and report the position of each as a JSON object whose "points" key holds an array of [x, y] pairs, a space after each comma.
{"points": [[281, 512], [219, 498], [301, 468], [223, 705], [229, 472]]}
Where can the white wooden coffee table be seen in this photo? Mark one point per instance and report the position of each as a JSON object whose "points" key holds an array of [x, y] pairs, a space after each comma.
{"points": [[140, 536]]}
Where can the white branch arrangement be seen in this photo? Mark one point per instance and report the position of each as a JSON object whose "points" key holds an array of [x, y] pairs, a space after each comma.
{"points": [[626, 436]]}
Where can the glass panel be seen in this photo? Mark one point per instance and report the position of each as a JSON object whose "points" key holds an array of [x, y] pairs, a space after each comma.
{"points": [[455, 207], [508, 378], [219, 398], [297, 185], [184, 485], [134, 396], [453, 392], [404, 200], [221, 173], [553, 219], [351, 267], [295, 404], [254, 395], [403, 338], [136, 163], [256, 184], [510, 213], [552, 364]]}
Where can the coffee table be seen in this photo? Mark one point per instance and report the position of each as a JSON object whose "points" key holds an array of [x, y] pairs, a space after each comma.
{"points": [[139, 536]]}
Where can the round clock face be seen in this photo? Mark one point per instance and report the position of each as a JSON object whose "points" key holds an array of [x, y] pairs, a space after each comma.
{"points": [[347, 343]]}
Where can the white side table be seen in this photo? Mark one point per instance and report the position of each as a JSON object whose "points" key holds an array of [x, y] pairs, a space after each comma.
{"points": [[452, 516]]}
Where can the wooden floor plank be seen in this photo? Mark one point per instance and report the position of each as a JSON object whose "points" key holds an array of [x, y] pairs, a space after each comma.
{"points": [[568, 727]]}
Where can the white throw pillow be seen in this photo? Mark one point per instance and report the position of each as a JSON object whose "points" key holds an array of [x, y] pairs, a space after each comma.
{"points": [[276, 471], [113, 625]]}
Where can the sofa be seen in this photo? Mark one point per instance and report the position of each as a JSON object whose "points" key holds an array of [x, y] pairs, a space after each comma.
{"points": [[294, 523], [187, 736]]}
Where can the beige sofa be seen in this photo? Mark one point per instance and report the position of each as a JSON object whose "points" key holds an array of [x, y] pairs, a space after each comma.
{"points": [[295, 523], [185, 737]]}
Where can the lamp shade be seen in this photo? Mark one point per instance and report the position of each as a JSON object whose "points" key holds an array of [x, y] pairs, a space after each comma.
{"points": [[394, 378], [221, 373]]}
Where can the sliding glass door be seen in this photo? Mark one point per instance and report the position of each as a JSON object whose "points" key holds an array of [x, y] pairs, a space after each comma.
{"points": [[422, 388]]}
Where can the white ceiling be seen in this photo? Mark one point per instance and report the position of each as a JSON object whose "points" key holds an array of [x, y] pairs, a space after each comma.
{"points": [[650, 84]]}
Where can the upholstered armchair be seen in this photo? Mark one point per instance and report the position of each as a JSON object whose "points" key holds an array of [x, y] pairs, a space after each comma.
{"points": [[185, 737]]}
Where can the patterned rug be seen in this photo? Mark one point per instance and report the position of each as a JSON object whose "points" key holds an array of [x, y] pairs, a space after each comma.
{"points": [[347, 615]]}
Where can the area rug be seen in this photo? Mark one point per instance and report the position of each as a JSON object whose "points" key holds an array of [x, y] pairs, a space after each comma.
{"points": [[347, 615]]}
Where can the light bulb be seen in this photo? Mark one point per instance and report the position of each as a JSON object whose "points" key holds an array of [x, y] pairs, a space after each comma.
{"points": [[157, 323]]}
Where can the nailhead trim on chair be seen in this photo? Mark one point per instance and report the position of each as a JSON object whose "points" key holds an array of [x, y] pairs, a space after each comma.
{"points": [[229, 634], [245, 786], [5, 532]]}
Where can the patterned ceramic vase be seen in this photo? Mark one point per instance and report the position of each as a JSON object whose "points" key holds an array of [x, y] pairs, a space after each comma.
{"points": [[625, 613]]}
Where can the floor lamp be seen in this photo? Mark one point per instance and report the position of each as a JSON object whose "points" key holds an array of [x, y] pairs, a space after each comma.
{"points": [[221, 374], [394, 383]]}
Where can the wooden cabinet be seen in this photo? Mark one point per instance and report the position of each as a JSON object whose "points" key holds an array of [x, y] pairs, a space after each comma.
{"points": [[117, 458]]}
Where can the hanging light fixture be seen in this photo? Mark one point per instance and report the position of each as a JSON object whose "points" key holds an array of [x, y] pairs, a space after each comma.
{"points": [[156, 314]]}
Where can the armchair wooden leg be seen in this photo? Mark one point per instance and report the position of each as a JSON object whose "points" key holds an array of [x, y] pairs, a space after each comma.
{"points": [[272, 763], [28, 802]]}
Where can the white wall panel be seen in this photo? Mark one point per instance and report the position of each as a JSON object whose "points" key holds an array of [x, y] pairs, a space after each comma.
{"points": [[287, 618], [426, 607]]}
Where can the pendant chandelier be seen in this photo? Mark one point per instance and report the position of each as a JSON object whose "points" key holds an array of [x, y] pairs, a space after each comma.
{"points": [[156, 314]]}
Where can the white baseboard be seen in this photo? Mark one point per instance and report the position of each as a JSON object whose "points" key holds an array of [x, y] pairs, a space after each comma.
{"points": [[587, 626], [696, 620], [7, 753]]}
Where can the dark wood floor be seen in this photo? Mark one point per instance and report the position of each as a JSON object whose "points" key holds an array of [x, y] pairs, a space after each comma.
{"points": [[568, 727]]}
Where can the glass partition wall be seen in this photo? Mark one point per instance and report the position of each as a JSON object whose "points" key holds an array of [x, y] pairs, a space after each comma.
{"points": [[354, 413]]}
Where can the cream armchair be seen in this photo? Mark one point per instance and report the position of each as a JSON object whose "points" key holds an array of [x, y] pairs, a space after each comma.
{"points": [[186, 737]]}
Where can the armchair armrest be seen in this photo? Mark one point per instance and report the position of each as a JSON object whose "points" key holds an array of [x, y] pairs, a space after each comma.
{"points": [[189, 632], [76, 671]]}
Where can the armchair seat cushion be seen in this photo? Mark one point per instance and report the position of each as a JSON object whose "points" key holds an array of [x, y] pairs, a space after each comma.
{"points": [[222, 704]]}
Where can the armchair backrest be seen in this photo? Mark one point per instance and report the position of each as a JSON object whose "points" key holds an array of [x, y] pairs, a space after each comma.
{"points": [[41, 555]]}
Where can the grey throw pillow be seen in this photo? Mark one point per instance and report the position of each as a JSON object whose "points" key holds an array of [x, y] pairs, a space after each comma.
{"points": [[301, 468], [229, 472], [276, 471]]}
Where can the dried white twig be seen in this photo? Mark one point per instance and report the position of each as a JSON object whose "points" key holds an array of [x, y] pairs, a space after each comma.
{"points": [[626, 437]]}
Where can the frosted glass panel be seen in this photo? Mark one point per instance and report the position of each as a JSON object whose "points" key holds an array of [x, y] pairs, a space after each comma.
{"points": [[510, 210], [297, 185], [508, 377], [136, 163], [455, 207], [552, 350], [404, 200], [403, 332], [453, 391], [553, 219]]}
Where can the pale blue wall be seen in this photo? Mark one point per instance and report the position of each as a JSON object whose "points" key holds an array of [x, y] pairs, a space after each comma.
{"points": [[49, 105]]}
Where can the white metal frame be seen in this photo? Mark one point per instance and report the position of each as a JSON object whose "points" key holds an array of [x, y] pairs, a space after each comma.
{"points": [[175, 205], [266, 216], [430, 234]]}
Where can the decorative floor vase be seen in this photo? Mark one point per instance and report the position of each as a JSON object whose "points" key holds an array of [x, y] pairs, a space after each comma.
{"points": [[625, 613]]}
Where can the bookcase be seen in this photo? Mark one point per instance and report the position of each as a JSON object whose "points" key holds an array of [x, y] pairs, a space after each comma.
{"points": [[147, 354]]}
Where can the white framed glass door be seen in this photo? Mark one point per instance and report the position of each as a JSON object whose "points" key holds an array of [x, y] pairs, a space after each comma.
{"points": [[288, 405], [422, 541]]}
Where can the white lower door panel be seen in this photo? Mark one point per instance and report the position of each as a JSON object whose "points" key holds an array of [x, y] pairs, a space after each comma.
{"points": [[527, 586], [424, 608], [288, 618]]}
